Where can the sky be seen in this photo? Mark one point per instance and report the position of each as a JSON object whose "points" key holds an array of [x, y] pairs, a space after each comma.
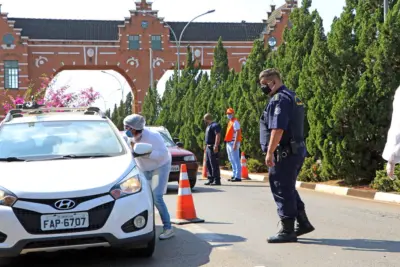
{"points": [[171, 10]]}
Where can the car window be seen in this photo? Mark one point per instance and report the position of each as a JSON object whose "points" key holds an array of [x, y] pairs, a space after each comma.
{"points": [[56, 138], [168, 142]]}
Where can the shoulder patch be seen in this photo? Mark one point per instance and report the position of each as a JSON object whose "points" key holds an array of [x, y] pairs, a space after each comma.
{"points": [[277, 110], [298, 101]]}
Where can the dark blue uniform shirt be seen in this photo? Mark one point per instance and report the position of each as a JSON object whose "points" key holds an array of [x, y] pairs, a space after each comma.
{"points": [[277, 115], [212, 130]]}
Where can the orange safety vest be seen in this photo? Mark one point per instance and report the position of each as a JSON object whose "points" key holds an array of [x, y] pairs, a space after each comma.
{"points": [[229, 137]]}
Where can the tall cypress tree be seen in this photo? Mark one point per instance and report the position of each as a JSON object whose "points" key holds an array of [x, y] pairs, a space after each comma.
{"points": [[319, 91], [220, 68], [128, 104], [151, 106], [114, 115], [298, 42]]}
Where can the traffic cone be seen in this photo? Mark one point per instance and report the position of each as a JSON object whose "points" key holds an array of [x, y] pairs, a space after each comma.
{"points": [[245, 171], [204, 173], [185, 210]]}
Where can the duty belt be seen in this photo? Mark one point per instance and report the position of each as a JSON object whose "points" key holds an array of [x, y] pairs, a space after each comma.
{"points": [[285, 151], [282, 152]]}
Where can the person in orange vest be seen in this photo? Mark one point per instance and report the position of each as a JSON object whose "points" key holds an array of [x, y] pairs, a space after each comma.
{"points": [[233, 138]]}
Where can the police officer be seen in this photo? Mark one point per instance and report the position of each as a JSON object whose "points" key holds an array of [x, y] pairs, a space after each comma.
{"points": [[282, 139], [212, 140]]}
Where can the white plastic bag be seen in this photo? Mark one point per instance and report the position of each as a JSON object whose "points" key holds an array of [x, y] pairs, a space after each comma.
{"points": [[391, 152]]}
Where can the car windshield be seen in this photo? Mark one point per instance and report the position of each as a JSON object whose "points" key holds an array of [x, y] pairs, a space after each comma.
{"points": [[47, 139], [168, 142]]}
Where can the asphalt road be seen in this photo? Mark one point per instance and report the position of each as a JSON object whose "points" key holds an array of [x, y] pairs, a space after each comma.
{"points": [[349, 232]]}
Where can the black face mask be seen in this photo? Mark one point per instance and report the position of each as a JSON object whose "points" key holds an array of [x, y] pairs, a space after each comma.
{"points": [[265, 89]]}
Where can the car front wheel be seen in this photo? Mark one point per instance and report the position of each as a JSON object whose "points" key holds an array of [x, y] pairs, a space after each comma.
{"points": [[148, 251]]}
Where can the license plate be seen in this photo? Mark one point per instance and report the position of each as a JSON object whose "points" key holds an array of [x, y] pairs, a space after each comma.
{"points": [[175, 168], [52, 222]]}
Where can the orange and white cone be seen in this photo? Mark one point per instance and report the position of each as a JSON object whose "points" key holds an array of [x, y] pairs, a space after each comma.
{"points": [[185, 210], [204, 173], [245, 171]]}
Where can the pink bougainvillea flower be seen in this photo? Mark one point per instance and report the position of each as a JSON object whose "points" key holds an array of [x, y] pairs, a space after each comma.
{"points": [[53, 97], [19, 100]]}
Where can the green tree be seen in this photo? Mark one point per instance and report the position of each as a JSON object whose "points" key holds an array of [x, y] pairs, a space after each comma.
{"points": [[151, 106], [317, 90], [128, 104], [114, 115], [120, 115], [220, 68], [298, 42]]}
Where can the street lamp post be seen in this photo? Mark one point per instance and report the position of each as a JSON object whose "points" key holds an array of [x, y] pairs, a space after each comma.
{"points": [[106, 101], [385, 8], [180, 39], [120, 84]]}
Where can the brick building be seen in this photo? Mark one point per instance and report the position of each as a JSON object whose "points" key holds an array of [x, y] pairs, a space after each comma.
{"points": [[132, 47]]}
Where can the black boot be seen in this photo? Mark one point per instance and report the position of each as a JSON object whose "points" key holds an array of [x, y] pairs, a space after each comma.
{"points": [[286, 234], [303, 225], [210, 181], [217, 181]]}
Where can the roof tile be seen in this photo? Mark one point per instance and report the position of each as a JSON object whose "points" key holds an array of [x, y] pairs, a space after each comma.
{"points": [[104, 30]]}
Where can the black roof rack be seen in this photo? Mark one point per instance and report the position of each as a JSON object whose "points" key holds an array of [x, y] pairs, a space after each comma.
{"points": [[32, 108]]}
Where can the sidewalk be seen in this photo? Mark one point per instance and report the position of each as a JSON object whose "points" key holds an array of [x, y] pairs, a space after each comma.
{"points": [[330, 189]]}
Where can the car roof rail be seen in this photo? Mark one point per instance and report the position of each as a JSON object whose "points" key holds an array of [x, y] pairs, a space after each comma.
{"points": [[34, 108]]}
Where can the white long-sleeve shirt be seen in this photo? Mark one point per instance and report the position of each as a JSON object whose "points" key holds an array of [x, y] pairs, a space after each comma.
{"points": [[160, 154], [391, 152]]}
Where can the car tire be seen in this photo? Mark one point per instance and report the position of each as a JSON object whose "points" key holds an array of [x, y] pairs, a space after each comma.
{"points": [[148, 251]]}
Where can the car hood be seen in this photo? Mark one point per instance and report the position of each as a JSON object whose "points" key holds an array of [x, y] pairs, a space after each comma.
{"points": [[176, 151], [64, 178]]}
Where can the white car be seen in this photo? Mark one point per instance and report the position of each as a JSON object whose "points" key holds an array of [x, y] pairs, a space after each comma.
{"points": [[69, 181]]}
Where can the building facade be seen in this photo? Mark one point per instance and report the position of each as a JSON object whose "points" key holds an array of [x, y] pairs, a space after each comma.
{"points": [[142, 47]]}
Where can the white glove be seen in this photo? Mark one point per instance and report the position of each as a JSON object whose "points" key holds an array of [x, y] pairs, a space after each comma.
{"points": [[390, 170]]}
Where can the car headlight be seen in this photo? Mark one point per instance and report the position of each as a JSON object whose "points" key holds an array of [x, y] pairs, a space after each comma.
{"points": [[127, 186], [189, 158], [7, 198]]}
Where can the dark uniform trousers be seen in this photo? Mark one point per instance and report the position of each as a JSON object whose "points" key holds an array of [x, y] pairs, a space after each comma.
{"points": [[212, 163], [282, 180]]}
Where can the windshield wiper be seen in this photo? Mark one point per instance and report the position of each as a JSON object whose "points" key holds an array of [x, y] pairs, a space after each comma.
{"points": [[72, 156], [11, 159]]}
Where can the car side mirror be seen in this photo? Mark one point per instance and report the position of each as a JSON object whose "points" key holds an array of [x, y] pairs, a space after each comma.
{"points": [[179, 144], [142, 149]]}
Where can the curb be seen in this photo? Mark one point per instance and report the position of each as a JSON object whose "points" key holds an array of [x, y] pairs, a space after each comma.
{"points": [[331, 189], [345, 191], [253, 177]]}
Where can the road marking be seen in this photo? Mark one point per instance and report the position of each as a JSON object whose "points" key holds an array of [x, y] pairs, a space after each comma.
{"points": [[215, 240], [212, 238]]}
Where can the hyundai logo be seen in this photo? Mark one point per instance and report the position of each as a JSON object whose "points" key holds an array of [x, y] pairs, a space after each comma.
{"points": [[65, 204]]}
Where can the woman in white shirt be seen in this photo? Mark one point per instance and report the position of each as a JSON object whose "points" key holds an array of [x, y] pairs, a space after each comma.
{"points": [[392, 149], [158, 162]]}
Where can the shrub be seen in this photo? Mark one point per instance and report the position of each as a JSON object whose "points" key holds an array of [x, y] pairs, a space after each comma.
{"points": [[228, 165], [311, 171], [383, 183], [255, 166]]}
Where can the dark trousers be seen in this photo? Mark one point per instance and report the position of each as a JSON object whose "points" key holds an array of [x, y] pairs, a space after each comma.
{"points": [[212, 163], [282, 180]]}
